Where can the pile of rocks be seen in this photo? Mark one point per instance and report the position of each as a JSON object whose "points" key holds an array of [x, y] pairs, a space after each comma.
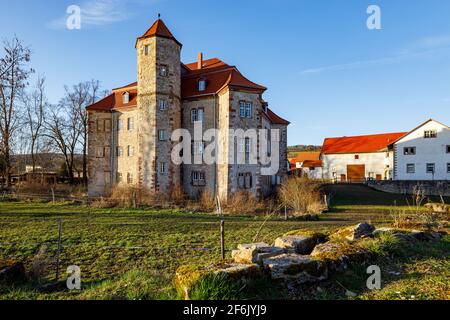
{"points": [[298, 257]]}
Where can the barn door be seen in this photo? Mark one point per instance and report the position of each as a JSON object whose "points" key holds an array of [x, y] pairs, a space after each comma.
{"points": [[356, 173]]}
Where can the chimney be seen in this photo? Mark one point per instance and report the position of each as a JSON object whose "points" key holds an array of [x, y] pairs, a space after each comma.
{"points": [[200, 61]]}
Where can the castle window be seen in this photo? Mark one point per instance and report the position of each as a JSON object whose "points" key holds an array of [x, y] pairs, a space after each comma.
{"points": [[249, 110], [119, 177], [409, 151], [162, 167], [130, 124], [431, 168], [162, 134], [242, 109], [163, 104], [428, 134], [198, 147], [126, 98], [410, 168], [146, 50], [119, 124], [119, 151], [130, 151], [202, 85], [100, 152], [130, 179], [197, 115], [198, 178], [163, 71], [107, 125], [245, 180], [448, 167], [448, 149]]}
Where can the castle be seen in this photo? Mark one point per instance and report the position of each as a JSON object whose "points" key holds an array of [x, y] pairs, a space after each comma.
{"points": [[131, 131]]}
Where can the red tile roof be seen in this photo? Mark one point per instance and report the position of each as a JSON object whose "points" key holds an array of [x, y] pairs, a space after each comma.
{"points": [[115, 101], [305, 156], [275, 119], [159, 29], [360, 144], [312, 164], [215, 72]]}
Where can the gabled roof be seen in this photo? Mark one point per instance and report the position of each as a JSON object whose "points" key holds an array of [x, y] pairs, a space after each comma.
{"points": [[159, 29], [419, 126], [360, 144]]}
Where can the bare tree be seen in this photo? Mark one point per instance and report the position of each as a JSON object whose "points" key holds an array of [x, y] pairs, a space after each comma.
{"points": [[63, 127], [78, 98], [35, 103], [14, 72]]}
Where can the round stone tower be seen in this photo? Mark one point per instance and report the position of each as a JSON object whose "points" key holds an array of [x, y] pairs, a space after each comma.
{"points": [[159, 105]]}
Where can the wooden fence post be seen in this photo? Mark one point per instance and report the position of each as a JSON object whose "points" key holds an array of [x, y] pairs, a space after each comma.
{"points": [[58, 252], [222, 239]]}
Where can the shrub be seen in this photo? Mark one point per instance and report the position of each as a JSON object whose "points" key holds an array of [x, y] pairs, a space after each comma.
{"points": [[302, 195], [242, 203]]}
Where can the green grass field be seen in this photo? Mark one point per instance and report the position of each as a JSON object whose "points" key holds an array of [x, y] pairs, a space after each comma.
{"points": [[134, 254]]}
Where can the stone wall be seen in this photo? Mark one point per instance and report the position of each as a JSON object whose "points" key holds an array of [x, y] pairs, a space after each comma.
{"points": [[209, 106], [431, 188], [99, 153]]}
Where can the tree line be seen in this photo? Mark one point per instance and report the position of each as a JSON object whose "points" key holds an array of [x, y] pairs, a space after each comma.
{"points": [[30, 124]]}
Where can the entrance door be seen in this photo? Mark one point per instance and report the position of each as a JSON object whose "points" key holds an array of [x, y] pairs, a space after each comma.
{"points": [[356, 173], [379, 177]]}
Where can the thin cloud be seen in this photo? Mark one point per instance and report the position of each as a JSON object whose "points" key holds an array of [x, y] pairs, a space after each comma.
{"points": [[422, 47], [96, 13]]}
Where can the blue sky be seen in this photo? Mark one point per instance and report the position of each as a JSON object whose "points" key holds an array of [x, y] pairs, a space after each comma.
{"points": [[326, 71]]}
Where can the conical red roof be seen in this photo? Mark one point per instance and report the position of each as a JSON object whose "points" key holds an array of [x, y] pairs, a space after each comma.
{"points": [[159, 29]]}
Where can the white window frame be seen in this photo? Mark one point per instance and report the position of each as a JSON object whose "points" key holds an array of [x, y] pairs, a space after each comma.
{"points": [[162, 135], [198, 148], [130, 151], [119, 152], [242, 109], [249, 110], [130, 124], [431, 165], [163, 104], [410, 168], [126, 97], [201, 85], [119, 124], [119, 177], [163, 167], [194, 115]]}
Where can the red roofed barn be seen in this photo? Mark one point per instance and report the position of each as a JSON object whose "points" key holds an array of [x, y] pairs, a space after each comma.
{"points": [[355, 159]]}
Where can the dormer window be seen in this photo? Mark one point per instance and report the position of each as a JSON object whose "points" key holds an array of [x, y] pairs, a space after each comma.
{"points": [[202, 85], [126, 98]]}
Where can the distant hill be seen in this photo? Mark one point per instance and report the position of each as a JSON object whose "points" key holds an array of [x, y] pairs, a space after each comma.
{"points": [[302, 148]]}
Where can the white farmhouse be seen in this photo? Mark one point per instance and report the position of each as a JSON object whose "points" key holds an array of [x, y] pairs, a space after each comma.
{"points": [[423, 153], [358, 158]]}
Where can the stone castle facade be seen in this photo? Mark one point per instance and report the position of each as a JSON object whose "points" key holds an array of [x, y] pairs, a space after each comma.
{"points": [[130, 131]]}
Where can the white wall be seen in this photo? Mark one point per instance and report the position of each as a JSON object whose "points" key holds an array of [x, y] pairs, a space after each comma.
{"points": [[432, 150], [376, 163], [317, 173]]}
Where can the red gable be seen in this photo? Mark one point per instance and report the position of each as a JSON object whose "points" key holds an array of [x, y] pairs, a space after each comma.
{"points": [[360, 144]]}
